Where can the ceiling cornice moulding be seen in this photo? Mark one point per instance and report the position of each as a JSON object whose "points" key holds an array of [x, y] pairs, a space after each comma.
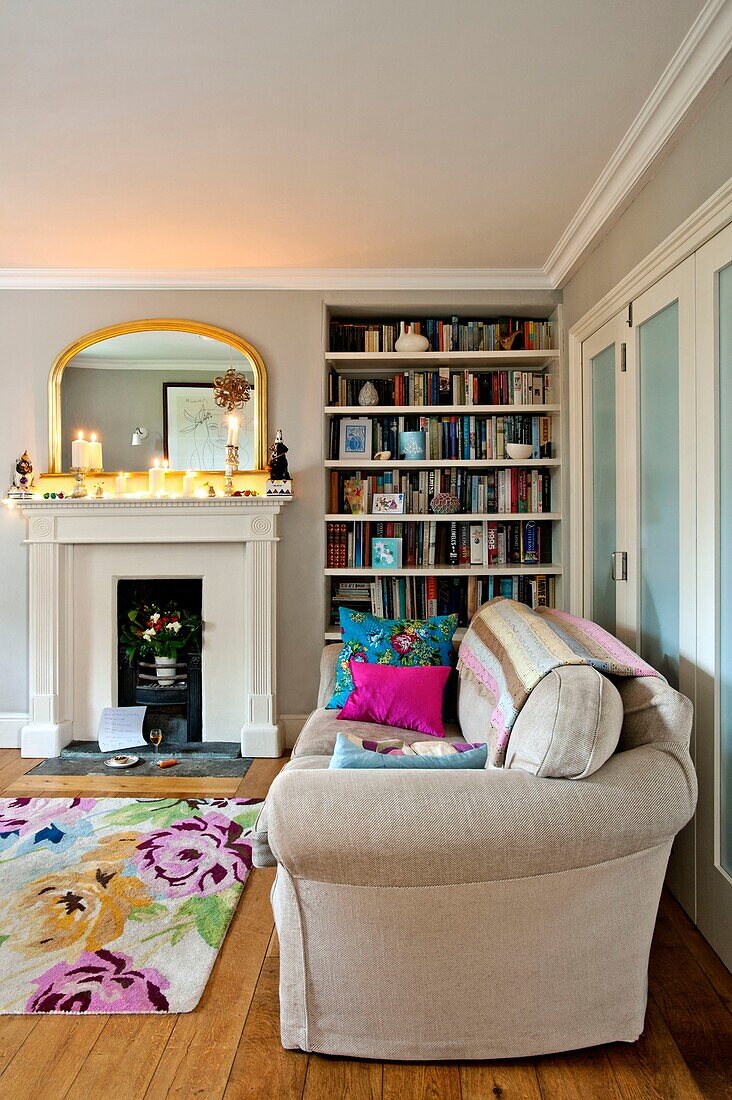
{"points": [[699, 56], [274, 279]]}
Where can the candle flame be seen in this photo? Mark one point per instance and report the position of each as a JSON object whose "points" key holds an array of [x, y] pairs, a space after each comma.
{"points": [[233, 422], [165, 464], [93, 437], [79, 435], [156, 463]]}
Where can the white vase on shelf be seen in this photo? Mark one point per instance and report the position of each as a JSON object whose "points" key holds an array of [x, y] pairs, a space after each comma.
{"points": [[410, 342]]}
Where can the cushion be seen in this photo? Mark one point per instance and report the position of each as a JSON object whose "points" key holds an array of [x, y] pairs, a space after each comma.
{"points": [[475, 705], [349, 755], [395, 745], [569, 725], [406, 642], [318, 735], [407, 697]]}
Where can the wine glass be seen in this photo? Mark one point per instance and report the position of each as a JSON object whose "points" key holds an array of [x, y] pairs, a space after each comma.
{"points": [[156, 736]]}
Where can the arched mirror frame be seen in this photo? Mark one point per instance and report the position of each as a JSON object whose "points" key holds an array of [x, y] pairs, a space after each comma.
{"points": [[157, 324]]}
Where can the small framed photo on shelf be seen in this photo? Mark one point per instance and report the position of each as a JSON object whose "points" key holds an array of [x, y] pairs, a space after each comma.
{"points": [[389, 502], [386, 553], [355, 439]]}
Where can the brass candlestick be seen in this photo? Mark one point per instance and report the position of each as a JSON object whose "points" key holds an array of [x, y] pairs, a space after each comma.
{"points": [[79, 473], [232, 465]]}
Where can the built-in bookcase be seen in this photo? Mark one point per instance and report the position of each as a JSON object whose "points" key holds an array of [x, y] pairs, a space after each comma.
{"points": [[507, 537]]}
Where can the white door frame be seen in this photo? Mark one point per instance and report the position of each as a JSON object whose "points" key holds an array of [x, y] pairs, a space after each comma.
{"points": [[714, 884], [612, 334], [699, 227]]}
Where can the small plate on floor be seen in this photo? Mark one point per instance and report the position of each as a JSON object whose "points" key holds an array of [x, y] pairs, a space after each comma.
{"points": [[121, 761]]}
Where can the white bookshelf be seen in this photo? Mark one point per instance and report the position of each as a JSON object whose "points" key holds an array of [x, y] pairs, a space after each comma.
{"points": [[363, 365]]}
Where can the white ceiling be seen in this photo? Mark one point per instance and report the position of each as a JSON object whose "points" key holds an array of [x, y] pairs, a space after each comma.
{"points": [[313, 133]]}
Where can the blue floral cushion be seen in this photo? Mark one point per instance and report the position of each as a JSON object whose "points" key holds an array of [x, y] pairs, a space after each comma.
{"points": [[406, 642]]}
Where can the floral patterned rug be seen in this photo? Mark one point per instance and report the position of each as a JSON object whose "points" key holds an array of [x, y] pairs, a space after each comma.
{"points": [[117, 904]]}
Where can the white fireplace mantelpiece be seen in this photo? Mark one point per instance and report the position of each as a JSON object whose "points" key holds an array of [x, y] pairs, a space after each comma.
{"points": [[79, 549]]}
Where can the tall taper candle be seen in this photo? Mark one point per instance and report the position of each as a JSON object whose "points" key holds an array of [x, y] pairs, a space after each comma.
{"points": [[232, 437]]}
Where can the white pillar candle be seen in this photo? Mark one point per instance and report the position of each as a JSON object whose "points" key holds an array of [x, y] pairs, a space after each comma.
{"points": [[232, 437], [189, 481], [156, 479], [80, 452], [95, 453], [120, 484]]}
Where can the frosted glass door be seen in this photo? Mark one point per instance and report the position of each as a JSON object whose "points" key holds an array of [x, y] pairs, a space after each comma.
{"points": [[604, 516], [714, 586], [661, 502]]}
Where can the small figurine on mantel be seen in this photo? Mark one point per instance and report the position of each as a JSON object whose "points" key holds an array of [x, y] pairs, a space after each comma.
{"points": [[279, 484], [23, 478]]}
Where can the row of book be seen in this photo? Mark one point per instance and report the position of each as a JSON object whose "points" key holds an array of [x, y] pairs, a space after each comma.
{"points": [[447, 387], [455, 437], [394, 544], [421, 597], [495, 334], [510, 491]]}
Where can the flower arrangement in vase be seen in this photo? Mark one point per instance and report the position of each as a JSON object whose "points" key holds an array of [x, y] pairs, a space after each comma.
{"points": [[160, 633]]}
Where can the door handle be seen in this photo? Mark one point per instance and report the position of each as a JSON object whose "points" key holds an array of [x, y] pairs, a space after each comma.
{"points": [[619, 560]]}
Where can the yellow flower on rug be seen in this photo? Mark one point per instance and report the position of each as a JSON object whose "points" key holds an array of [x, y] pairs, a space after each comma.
{"points": [[87, 910]]}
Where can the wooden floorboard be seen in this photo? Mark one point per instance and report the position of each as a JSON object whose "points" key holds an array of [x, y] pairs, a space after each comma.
{"points": [[123, 786], [504, 1080], [229, 1049]]}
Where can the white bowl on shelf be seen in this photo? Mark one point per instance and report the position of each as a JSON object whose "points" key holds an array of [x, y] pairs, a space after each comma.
{"points": [[520, 451]]}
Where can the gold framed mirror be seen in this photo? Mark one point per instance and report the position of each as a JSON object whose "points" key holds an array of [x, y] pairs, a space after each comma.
{"points": [[146, 388]]}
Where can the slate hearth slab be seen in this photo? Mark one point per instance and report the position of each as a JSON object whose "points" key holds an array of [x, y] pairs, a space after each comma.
{"points": [[200, 750], [189, 766]]}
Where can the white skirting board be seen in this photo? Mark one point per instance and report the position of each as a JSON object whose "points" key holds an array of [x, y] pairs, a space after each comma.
{"points": [[10, 727]]}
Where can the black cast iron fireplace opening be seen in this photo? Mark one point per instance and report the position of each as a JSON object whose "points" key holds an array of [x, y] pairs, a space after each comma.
{"points": [[176, 706]]}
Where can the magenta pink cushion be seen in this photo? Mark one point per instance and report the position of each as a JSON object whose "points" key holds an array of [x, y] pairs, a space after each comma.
{"points": [[410, 698]]}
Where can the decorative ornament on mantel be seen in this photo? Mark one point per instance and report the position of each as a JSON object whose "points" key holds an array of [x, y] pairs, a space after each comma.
{"points": [[409, 341], [231, 390], [23, 478], [279, 484]]}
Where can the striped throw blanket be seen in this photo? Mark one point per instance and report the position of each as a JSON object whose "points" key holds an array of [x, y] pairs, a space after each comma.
{"points": [[509, 648]]}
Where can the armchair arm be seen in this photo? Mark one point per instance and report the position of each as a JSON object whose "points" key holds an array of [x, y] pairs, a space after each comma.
{"points": [[422, 828]]}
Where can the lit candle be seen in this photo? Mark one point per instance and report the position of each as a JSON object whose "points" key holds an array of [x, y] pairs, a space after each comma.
{"points": [[80, 452], [189, 481], [95, 453], [232, 437], [156, 478], [120, 484]]}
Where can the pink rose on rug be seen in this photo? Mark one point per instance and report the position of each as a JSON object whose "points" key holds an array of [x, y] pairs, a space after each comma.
{"points": [[198, 856], [28, 816], [101, 981]]}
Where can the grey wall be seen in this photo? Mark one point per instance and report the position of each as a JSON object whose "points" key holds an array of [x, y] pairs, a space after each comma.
{"points": [[286, 328], [696, 167]]}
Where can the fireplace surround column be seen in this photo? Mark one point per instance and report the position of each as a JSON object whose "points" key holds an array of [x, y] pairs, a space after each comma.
{"points": [[260, 735], [49, 725]]}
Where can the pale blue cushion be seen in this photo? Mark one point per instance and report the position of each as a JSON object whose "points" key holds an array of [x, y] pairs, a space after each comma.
{"points": [[348, 755]]}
